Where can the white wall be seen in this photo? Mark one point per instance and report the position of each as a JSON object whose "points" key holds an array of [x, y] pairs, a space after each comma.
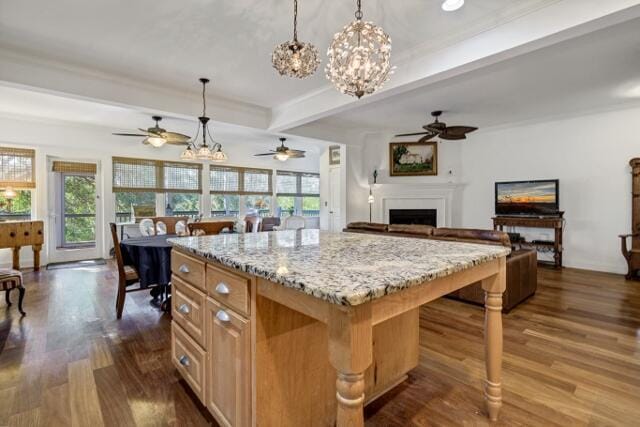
{"points": [[79, 142], [589, 154]]}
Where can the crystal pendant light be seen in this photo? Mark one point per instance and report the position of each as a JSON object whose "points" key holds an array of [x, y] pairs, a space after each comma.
{"points": [[204, 151], [359, 57], [294, 58]]}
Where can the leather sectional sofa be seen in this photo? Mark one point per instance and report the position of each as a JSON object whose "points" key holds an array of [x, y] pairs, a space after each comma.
{"points": [[522, 264]]}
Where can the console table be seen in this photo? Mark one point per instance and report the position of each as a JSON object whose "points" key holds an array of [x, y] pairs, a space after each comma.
{"points": [[551, 222], [16, 234]]}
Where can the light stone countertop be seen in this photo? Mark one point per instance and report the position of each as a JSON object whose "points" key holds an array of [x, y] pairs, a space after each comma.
{"points": [[342, 268]]}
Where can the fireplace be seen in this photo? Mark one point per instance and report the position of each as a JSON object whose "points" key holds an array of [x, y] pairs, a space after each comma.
{"points": [[413, 216]]}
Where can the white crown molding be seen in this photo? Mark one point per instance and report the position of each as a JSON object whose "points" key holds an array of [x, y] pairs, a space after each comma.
{"points": [[550, 23]]}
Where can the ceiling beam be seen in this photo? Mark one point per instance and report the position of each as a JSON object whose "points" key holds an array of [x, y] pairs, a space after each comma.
{"points": [[555, 23]]}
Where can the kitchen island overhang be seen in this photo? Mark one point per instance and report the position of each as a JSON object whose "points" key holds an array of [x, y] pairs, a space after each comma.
{"points": [[335, 293]]}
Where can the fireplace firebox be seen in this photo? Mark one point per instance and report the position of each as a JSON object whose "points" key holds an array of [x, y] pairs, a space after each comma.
{"points": [[414, 216]]}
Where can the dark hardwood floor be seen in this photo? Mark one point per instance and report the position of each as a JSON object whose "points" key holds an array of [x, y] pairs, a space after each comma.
{"points": [[571, 358]]}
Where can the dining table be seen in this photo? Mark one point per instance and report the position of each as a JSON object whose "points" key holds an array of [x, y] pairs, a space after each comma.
{"points": [[151, 258]]}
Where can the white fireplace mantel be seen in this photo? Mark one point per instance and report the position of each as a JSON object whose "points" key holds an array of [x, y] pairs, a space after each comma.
{"points": [[439, 196]]}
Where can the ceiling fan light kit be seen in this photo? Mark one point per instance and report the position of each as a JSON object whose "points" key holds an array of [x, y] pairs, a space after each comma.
{"points": [[283, 153], [359, 57], [294, 58]]}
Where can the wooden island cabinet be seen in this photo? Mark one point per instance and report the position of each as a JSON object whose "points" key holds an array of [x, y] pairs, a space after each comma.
{"points": [[256, 352]]}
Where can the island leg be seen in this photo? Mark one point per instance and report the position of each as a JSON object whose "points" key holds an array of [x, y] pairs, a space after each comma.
{"points": [[16, 258], [493, 287], [36, 257], [350, 353]]}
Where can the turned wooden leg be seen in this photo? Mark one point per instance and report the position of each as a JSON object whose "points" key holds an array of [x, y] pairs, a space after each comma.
{"points": [[7, 297], [16, 258], [493, 287], [350, 352], [20, 298], [36, 257]]}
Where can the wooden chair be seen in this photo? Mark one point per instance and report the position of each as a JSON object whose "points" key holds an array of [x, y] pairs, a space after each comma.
{"points": [[632, 254], [252, 224], [127, 275], [268, 223], [209, 228], [292, 223], [169, 221], [9, 280]]}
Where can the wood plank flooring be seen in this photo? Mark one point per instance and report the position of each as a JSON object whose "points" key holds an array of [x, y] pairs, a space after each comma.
{"points": [[572, 357]]}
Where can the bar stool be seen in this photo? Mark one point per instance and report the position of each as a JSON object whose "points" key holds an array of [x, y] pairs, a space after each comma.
{"points": [[9, 280]]}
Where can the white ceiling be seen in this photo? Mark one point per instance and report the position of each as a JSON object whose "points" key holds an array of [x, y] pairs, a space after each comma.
{"points": [[595, 71], [21, 103], [172, 43]]}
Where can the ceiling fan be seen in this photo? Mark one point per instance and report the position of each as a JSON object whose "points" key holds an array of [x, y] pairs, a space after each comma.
{"points": [[441, 130], [157, 137], [283, 153]]}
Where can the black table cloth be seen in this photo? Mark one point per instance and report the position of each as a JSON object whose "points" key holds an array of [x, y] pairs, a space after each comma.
{"points": [[151, 257]]}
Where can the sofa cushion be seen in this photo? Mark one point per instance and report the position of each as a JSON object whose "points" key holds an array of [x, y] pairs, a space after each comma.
{"points": [[472, 236], [411, 229], [368, 226]]}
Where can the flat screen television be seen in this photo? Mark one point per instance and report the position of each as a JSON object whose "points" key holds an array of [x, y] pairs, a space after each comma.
{"points": [[528, 197]]}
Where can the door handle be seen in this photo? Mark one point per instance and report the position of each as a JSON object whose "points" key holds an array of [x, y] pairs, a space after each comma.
{"points": [[184, 360], [223, 316], [222, 288], [184, 309], [183, 269]]}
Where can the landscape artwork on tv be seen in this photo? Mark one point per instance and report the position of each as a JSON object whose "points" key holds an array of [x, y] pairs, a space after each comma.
{"points": [[527, 198]]}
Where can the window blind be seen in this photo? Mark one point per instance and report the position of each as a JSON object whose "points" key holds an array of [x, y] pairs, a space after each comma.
{"points": [[234, 180], [74, 167], [297, 184], [182, 177], [142, 175], [17, 167]]}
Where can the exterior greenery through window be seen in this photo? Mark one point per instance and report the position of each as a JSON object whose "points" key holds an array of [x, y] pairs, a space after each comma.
{"points": [[17, 209], [79, 209], [298, 193], [17, 171]]}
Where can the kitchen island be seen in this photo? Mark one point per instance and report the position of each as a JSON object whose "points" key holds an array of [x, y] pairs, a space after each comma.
{"points": [[306, 327]]}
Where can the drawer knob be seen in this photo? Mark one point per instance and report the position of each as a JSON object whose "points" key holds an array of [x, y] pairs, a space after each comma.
{"points": [[184, 309], [183, 268], [223, 316], [184, 360], [222, 288]]}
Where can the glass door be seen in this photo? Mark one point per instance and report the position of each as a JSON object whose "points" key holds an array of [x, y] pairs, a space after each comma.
{"points": [[78, 216]]}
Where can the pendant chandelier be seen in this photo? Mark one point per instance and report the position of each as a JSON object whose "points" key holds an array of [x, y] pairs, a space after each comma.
{"points": [[294, 58], [359, 57], [203, 151]]}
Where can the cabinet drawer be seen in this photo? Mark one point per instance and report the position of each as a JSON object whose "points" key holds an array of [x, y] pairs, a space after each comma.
{"points": [[229, 366], [189, 358], [188, 269], [188, 309], [230, 289]]}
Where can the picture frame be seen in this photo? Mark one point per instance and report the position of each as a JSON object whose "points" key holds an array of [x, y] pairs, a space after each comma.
{"points": [[334, 155], [413, 158]]}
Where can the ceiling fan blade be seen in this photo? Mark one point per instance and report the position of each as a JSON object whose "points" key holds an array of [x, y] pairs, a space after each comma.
{"points": [[264, 154], [149, 133], [451, 137], [412, 134], [175, 136], [290, 151], [460, 130], [297, 155], [177, 142], [129, 134], [427, 137]]}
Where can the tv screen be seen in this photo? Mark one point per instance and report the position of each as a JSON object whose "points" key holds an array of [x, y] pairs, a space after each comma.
{"points": [[528, 197]]}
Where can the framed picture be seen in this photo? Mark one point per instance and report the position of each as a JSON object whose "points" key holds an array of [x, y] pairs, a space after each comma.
{"points": [[334, 155], [413, 158]]}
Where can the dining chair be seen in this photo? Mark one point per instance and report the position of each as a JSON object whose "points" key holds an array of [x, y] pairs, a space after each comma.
{"points": [[209, 228], [11, 279], [147, 227], [292, 223], [161, 228], [253, 224], [268, 223], [127, 275]]}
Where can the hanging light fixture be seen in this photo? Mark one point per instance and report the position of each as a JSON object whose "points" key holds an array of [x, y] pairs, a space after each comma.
{"points": [[204, 151], [359, 57], [293, 58], [452, 5]]}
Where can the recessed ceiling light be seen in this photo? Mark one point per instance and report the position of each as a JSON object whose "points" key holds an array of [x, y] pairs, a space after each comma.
{"points": [[451, 5]]}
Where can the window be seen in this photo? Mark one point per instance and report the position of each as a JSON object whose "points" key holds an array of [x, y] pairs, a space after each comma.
{"points": [[79, 209], [182, 204], [17, 173], [126, 204], [16, 208], [298, 193], [236, 189], [140, 184]]}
